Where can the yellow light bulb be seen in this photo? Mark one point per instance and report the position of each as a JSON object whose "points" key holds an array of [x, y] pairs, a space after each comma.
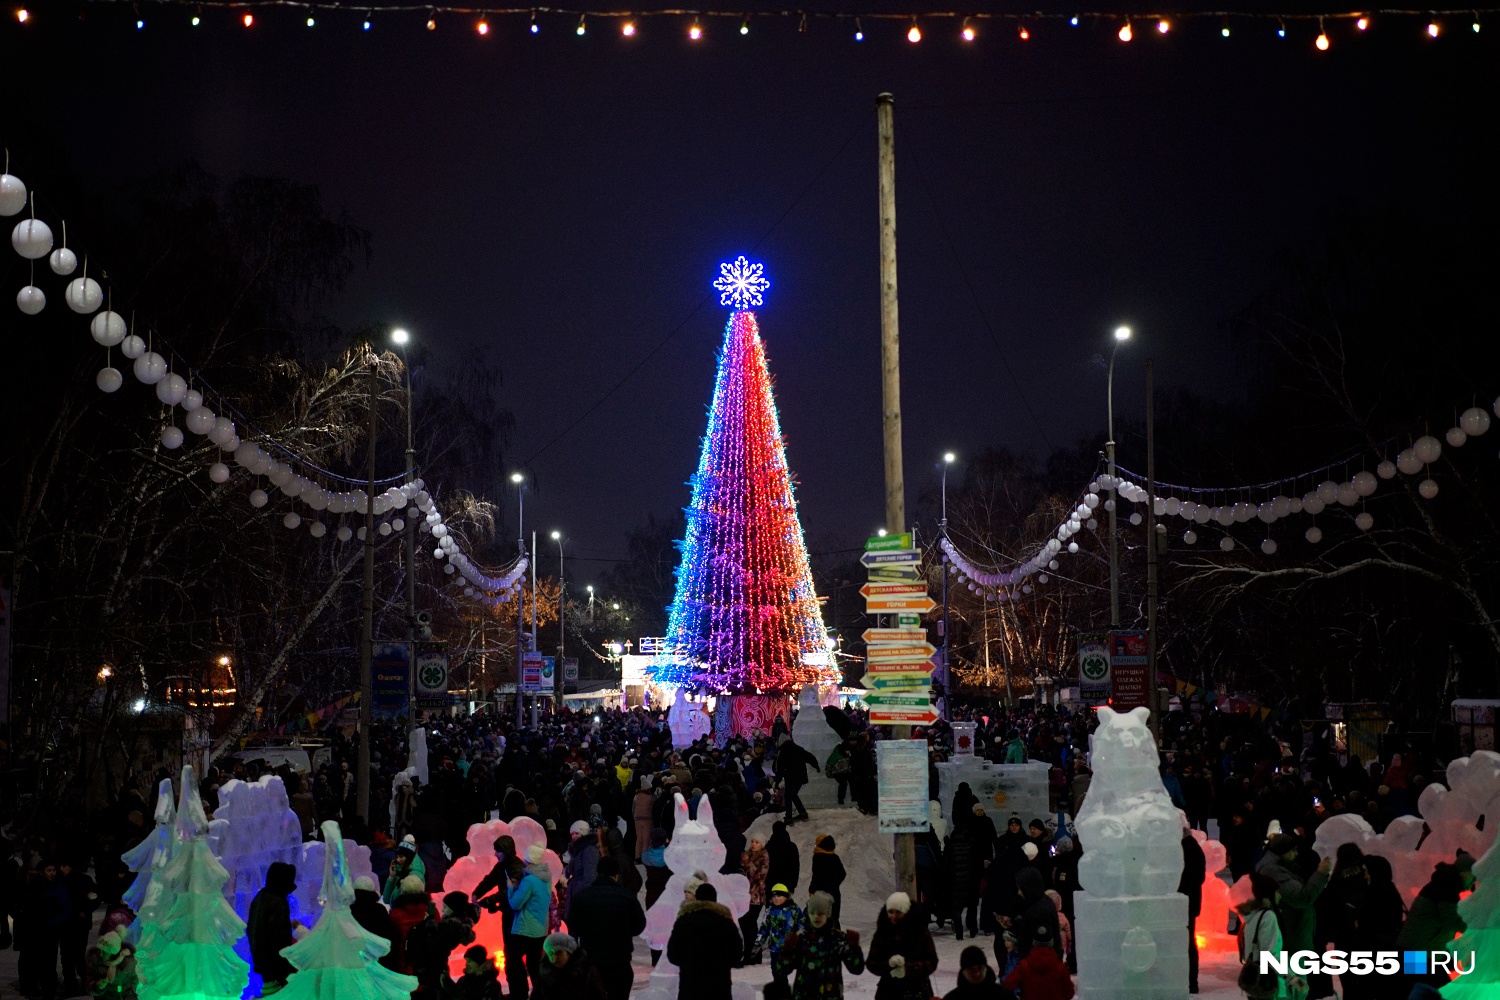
{"points": [[695, 32], [914, 34], [1163, 26], [1125, 33], [1322, 42], [1432, 29], [248, 19], [483, 27], [1025, 33], [968, 33], [627, 29], [1362, 23]]}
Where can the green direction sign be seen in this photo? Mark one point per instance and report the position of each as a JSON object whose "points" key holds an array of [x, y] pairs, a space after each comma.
{"points": [[896, 683], [909, 621], [900, 699], [887, 543], [899, 573]]}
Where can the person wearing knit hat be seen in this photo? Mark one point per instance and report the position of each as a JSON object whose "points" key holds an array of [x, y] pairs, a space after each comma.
{"points": [[902, 954], [407, 863], [1040, 972], [109, 967], [828, 873], [582, 863], [704, 945], [606, 917], [1029, 849], [976, 980], [371, 914], [567, 971], [1297, 893], [820, 951]]}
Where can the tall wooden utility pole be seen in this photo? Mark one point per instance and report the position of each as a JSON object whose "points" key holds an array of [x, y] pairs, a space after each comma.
{"points": [[890, 400], [1157, 707], [367, 633]]}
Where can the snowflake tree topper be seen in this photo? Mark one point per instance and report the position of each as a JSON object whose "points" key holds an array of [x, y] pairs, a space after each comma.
{"points": [[741, 283]]}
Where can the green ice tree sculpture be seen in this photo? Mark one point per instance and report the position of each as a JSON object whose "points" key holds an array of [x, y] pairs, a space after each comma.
{"points": [[188, 953], [339, 959], [1480, 944], [147, 859]]}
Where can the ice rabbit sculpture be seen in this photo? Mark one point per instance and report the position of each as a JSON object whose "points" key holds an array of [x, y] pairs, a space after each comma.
{"points": [[695, 846], [1130, 921]]}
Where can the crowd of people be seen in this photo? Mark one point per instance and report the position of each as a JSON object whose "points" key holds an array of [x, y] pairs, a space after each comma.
{"points": [[603, 786]]}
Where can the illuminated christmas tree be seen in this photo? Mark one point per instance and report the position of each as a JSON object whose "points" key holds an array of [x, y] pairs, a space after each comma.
{"points": [[188, 954], [745, 617], [339, 959]]}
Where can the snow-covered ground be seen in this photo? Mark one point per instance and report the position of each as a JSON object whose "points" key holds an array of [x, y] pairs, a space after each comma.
{"points": [[868, 858]]}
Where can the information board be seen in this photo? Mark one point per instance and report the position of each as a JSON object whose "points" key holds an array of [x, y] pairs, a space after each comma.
{"points": [[902, 786]]}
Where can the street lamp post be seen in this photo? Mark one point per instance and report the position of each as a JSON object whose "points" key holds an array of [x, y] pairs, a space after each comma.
{"points": [[1122, 334], [948, 459], [520, 483], [562, 625], [367, 634], [401, 338]]}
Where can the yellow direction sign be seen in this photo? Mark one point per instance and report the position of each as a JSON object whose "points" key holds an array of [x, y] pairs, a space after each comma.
{"points": [[887, 605], [902, 651], [895, 635]]}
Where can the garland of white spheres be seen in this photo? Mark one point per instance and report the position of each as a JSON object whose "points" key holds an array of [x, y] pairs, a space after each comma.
{"points": [[1411, 461], [32, 239]]}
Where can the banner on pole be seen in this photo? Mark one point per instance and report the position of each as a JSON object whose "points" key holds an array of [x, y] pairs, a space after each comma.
{"points": [[1093, 670], [390, 673], [432, 673], [902, 784], [1129, 671]]}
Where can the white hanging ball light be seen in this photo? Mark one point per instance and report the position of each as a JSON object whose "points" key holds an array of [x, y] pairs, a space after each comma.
{"points": [[1135, 517], [1091, 500], [1202, 514], [171, 389], [1347, 495], [133, 347], [171, 437], [1294, 504], [1268, 546], [1314, 534], [1026, 588], [1072, 546], [1109, 504], [439, 530], [1092, 524], [223, 429], [291, 519], [1172, 506], [1408, 462], [1224, 516], [1474, 421], [317, 498], [150, 368], [1328, 491], [468, 591], [448, 568], [1363, 521], [1042, 578], [398, 525], [109, 379], [1159, 506], [192, 401], [1226, 544], [1161, 529], [1428, 488], [63, 261], [84, 295], [199, 421], [1313, 504], [12, 194], [258, 498], [1456, 437], [360, 534], [31, 300], [1427, 449], [384, 529], [218, 472], [1190, 536], [32, 239], [317, 529], [344, 534], [1386, 469], [1244, 512], [1052, 564], [1281, 506], [1364, 483], [1266, 512]]}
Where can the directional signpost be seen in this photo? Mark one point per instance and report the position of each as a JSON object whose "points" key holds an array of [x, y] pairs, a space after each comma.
{"points": [[899, 661], [901, 709]]}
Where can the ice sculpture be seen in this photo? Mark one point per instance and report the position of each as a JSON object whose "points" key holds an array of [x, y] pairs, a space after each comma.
{"points": [[189, 954], [1213, 917], [339, 959], [1452, 815], [1480, 944], [253, 827], [696, 846], [526, 831], [687, 721], [416, 756], [310, 876], [147, 859], [466, 873], [812, 733], [1130, 922]]}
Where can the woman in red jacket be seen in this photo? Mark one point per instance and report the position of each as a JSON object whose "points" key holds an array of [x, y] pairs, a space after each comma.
{"points": [[1041, 974]]}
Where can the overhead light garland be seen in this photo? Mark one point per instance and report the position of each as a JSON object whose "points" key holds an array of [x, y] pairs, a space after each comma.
{"points": [[1428, 24], [257, 452]]}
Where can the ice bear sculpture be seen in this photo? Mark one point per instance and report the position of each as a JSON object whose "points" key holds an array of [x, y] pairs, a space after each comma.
{"points": [[253, 826], [466, 873], [695, 846], [1130, 923]]}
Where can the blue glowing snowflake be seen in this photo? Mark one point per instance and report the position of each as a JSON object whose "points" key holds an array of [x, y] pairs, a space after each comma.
{"points": [[741, 283]]}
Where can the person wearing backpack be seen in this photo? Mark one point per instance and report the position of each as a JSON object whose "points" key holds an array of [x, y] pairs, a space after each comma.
{"points": [[1260, 932]]}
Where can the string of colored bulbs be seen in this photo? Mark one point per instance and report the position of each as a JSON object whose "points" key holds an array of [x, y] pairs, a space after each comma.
{"points": [[1434, 22]]}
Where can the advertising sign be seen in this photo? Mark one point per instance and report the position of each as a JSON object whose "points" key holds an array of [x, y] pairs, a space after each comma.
{"points": [[1129, 671], [432, 672], [570, 676], [902, 785], [536, 674], [1093, 670], [391, 681], [963, 739]]}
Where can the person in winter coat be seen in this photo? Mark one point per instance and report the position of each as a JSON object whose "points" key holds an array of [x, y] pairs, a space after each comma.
{"points": [[606, 917], [819, 952], [1295, 895], [1000, 899], [406, 863], [269, 926], [480, 981], [705, 944], [783, 919], [430, 942], [1377, 925], [786, 860], [434, 863], [654, 858], [83, 896], [371, 914], [839, 765], [1064, 932], [828, 873], [641, 808], [583, 858], [1038, 916], [902, 953], [566, 972], [971, 849], [411, 908], [976, 980], [1434, 921], [530, 899], [1194, 870], [791, 766], [109, 969], [756, 865], [1260, 932], [1041, 975]]}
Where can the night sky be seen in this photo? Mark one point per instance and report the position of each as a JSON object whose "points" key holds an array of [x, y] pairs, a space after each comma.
{"points": [[568, 200]]}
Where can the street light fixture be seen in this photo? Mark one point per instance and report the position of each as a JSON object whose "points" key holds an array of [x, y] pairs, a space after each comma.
{"points": [[519, 481], [400, 337], [948, 459], [223, 661], [562, 625], [1122, 334]]}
